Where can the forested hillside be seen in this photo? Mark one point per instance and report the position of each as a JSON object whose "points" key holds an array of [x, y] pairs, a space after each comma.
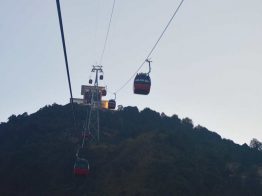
{"points": [[140, 153]]}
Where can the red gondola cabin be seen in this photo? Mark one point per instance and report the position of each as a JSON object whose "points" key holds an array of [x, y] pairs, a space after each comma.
{"points": [[81, 167], [142, 84]]}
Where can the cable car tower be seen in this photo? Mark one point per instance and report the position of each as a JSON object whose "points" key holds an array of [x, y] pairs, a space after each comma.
{"points": [[93, 95]]}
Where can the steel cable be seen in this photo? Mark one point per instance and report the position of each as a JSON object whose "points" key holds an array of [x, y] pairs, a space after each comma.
{"points": [[66, 60], [107, 33], [153, 48]]}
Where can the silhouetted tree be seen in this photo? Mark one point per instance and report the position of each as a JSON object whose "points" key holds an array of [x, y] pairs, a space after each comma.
{"points": [[140, 153], [11, 118], [255, 144], [188, 122]]}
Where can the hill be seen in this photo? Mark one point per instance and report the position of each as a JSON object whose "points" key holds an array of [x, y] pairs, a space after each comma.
{"points": [[140, 153]]}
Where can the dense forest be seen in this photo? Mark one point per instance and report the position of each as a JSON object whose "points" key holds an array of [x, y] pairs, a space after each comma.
{"points": [[139, 153]]}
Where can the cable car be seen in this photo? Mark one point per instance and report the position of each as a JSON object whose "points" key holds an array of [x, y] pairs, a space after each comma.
{"points": [[81, 167], [104, 92], [112, 103], [142, 82]]}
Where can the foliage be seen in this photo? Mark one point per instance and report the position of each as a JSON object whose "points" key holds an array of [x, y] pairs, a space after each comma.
{"points": [[140, 153], [255, 144]]}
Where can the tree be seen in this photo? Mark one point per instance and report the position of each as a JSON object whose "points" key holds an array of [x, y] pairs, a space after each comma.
{"points": [[11, 118], [188, 122], [255, 144]]}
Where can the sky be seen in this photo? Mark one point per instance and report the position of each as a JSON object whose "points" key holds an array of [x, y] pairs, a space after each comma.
{"points": [[207, 66]]}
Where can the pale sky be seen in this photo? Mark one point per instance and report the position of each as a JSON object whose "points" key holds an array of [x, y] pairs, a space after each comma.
{"points": [[207, 67]]}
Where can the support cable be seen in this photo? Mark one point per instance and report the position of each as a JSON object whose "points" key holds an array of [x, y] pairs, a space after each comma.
{"points": [[66, 60], [153, 48], [108, 30]]}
